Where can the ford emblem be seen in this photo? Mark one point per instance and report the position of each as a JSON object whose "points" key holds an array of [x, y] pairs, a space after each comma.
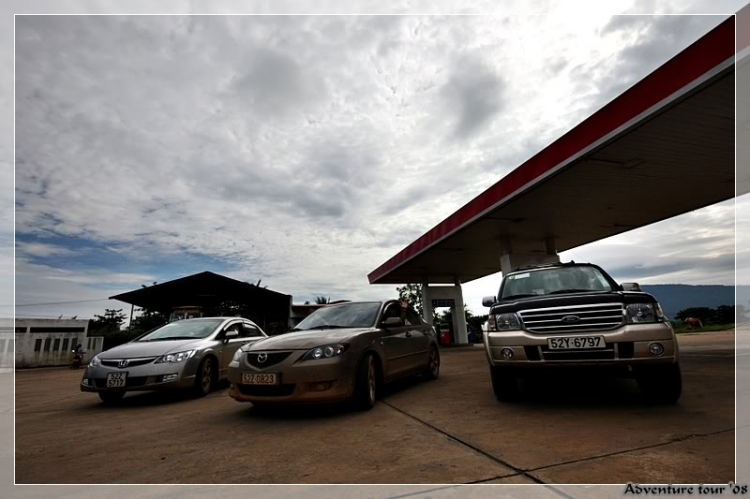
{"points": [[570, 319]]}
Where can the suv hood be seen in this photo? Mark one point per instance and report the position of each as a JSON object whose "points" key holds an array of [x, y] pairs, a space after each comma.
{"points": [[572, 299], [305, 340], [137, 349]]}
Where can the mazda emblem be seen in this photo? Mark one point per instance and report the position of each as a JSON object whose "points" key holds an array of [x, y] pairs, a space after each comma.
{"points": [[123, 363], [570, 318], [262, 357]]}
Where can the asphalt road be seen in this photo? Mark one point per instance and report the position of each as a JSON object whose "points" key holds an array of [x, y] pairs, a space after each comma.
{"points": [[452, 430]]}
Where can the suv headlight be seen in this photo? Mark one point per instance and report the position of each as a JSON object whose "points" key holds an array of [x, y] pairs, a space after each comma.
{"points": [[506, 322], [325, 352], [175, 357], [638, 313], [96, 361]]}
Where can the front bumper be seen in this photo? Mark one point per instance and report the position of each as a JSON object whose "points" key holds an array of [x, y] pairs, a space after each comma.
{"points": [[626, 345], [146, 377], [309, 381]]}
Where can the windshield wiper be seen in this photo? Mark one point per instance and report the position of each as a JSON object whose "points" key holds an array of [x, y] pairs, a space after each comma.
{"points": [[324, 326], [564, 291], [513, 297]]}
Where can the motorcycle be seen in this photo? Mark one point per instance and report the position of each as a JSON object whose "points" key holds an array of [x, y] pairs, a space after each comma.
{"points": [[77, 360]]}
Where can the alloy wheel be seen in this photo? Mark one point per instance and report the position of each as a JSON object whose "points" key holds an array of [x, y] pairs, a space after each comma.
{"points": [[434, 363], [206, 377], [371, 379]]}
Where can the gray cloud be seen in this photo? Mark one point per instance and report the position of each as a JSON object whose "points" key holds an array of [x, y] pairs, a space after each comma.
{"points": [[301, 150], [473, 96]]}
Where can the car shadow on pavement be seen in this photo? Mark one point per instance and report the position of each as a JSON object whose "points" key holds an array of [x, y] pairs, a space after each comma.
{"points": [[154, 398], [581, 391]]}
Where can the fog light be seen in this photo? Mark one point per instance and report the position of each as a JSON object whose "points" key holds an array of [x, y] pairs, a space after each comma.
{"points": [[506, 353], [85, 382], [656, 349], [169, 377], [321, 387]]}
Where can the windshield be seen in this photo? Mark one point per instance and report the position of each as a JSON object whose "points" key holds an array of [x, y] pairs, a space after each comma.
{"points": [[341, 316], [553, 281], [183, 330]]}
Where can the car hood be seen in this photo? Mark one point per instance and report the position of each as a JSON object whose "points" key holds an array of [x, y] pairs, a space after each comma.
{"points": [[304, 340], [572, 299], [137, 349]]}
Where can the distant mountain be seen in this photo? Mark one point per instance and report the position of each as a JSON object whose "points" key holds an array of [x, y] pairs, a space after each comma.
{"points": [[676, 297]]}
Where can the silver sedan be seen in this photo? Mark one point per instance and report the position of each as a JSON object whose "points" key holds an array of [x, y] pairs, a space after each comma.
{"points": [[191, 354]]}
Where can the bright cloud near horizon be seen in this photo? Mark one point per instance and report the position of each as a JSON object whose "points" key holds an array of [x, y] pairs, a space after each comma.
{"points": [[306, 151]]}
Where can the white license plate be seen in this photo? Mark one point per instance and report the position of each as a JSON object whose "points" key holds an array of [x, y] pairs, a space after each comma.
{"points": [[116, 380], [260, 379], [576, 342]]}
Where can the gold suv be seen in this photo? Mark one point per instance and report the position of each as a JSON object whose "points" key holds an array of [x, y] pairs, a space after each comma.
{"points": [[576, 315]]}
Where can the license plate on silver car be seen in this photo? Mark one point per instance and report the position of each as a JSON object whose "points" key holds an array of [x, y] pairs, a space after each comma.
{"points": [[117, 380], [576, 342], [260, 379]]}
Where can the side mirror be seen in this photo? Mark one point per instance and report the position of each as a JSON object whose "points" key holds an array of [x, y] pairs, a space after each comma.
{"points": [[230, 335], [630, 286], [393, 322], [488, 301]]}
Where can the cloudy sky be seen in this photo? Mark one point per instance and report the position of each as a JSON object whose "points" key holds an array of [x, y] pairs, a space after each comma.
{"points": [[306, 151]]}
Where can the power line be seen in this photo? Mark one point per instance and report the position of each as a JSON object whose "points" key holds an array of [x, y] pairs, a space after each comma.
{"points": [[54, 303]]}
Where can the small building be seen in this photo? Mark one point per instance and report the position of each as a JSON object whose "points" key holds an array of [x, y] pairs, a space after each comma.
{"points": [[214, 294], [49, 342]]}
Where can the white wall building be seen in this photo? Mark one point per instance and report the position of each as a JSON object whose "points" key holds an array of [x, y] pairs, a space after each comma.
{"points": [[49, 342]]}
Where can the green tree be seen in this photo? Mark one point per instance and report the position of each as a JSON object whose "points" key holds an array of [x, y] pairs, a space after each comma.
{"points": [[322, 300], [413, 294], [112, 320], [147, 320]]}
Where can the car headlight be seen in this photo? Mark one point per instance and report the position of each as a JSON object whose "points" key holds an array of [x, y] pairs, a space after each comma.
{"points": [[237, 355], [325, 352], [96, 361], [506, 322], [637, 313], [175, 357]]}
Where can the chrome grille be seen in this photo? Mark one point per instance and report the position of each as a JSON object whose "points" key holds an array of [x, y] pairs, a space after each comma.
{"points": [[577, 318], [130, 362]]}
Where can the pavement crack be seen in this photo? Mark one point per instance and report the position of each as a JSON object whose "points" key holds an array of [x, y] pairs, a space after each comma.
{"points": [[677, 439], [518, 471]]}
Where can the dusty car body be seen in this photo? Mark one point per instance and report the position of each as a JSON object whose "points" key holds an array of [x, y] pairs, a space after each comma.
{"points": [[576, 316], [340, 352], [191, 354]]}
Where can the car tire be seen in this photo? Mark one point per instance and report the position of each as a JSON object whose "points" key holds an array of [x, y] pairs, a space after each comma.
{"points": [[504, 384], [111, 397], [432, 371], [366, 384], [204, 377], [660, 384]]}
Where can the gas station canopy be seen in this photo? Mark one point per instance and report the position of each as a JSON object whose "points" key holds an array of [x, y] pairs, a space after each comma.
{"points": [[662, 148]]}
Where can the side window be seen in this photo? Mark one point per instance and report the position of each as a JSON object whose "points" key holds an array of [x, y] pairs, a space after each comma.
{"points": [[234, 327], [250, 331], [65, 345], [412, 317], [393, 310], [56, 345], [47, 342], [38, 345]]}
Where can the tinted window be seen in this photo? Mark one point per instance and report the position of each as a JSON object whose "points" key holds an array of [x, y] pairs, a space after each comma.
{"points": [[339, 316], [183, 330], [250, 331], [412, 317]]}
